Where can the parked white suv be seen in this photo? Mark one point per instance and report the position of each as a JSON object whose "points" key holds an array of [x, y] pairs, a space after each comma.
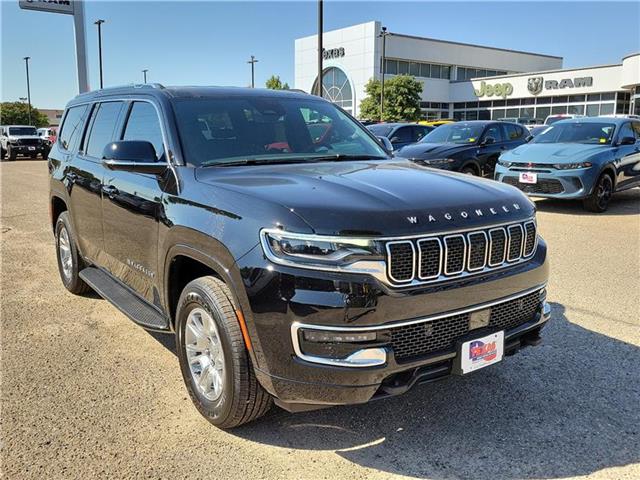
{"points": [[21, 140]]}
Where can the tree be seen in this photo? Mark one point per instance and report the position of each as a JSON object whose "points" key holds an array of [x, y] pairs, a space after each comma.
{"points": [[17, 113], [274, 83], [401, 99]]}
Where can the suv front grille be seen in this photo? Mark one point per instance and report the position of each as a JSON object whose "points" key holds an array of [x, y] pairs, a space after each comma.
{"points": [[411, 341], [442, 257], [544, 185]]}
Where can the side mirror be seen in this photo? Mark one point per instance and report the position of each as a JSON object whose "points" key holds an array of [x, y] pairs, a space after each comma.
{"points": [[384, 141], [529, 138], [627, 141], [488, 141], [132, 156], [394, 139]]}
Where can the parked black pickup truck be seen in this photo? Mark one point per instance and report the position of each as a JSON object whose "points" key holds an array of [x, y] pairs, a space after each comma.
{"points": [[292, 257]]}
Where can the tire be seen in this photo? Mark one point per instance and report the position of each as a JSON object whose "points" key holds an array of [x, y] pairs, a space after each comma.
{"points": [[206, 306], [598, 201], [11, 153], [469, 170], [3, 152], [69, 266]]}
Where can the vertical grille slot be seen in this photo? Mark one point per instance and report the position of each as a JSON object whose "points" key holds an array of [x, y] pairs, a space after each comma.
{"points": [[401, 261], [430, 258], [498, 248], [477, 258], [529, 238], [454, 254], [514, 249]]}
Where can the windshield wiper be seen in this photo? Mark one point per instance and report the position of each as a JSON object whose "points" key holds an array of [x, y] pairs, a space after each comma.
{"points": [[344, 156], [274, 161]]}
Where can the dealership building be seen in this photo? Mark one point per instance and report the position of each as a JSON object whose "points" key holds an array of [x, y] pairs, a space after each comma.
{"points": [[463, 81]]}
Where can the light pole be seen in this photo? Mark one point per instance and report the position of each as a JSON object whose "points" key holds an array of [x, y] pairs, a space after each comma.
{"points": [[253, 61], [320, 52], [144, 74], [99, 24], [383, 34], [26, 64]]}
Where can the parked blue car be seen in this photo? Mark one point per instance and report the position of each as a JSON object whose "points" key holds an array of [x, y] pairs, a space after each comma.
{"points": [[585, 158]]}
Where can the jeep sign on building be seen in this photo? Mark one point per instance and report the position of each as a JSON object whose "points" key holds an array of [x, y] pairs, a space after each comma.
{"points": [[465, 81]]}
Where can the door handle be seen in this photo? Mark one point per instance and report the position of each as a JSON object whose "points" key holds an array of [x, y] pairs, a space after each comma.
{"points": [[110, 191]]}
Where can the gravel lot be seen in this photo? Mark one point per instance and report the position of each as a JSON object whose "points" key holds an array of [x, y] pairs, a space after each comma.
{"points": [[86, 393]]}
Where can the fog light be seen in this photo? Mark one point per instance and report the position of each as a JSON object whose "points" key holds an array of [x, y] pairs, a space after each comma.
{"points": [[321, 336]]}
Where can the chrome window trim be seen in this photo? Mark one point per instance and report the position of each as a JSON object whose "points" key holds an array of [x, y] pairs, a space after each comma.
{"points": [[535, 240], [446, 254], [413, 261], [515, 259], [486, 249], [440, 257], [504, 249]]}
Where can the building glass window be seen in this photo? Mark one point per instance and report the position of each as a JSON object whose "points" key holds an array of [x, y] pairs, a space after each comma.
{"points": [[606, 108], [424, 70], [446, 73], [484, 115], [336, 88], [608, 96], [458, 105], [491, 73], [543, 101], [414, 69], [472, 115], [403, 67], [471, 105], [527, 112], [512, 112], [560, 99], [481, 73], [513, 102], [559, 110], [435, 71], [593, 110], [392, 67], [461, 73], [576, 109], [497, 113], [499, 103], [622, 107], [528, 101], [593, 97], [576, 98], [543, 112]]}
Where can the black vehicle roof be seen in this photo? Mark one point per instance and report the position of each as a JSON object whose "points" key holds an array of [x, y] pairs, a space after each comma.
{"points": [[160, 91]]}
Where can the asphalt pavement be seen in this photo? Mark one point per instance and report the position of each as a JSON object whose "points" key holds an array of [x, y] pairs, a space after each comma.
{"points": [[85, 393]]}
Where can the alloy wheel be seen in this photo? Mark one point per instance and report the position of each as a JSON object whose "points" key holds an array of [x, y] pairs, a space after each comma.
{"points": [[64, 247]]}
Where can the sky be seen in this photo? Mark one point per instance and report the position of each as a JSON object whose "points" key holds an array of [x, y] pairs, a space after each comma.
{"points": [[209, 43]]}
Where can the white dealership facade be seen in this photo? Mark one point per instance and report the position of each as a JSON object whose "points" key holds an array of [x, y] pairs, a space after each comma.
{"points": [[464, 81]]}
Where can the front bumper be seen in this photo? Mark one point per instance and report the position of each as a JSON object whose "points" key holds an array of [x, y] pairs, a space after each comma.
{"points": [[28, 149], [285, 302], [552, 183]]}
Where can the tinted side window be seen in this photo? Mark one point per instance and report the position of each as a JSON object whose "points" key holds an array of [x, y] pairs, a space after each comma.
{"points": [[71, 129], [494, 131], [419, 132], [143, 124], [513, 131], [636, 129], [625, 131], [402, 135], [105, 120]]}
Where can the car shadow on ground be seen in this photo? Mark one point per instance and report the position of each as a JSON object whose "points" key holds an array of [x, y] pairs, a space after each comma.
{"points": [[566, 408], [622, 203]]}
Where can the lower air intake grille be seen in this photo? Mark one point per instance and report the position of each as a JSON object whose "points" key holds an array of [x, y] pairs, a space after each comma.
{"points": [[412, 341]]}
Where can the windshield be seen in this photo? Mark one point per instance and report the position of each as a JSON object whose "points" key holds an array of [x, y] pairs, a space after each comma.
{"points": [[454, 133], [596, 133], [22, 131], [551, 120], [380, 130], [225, 130]]}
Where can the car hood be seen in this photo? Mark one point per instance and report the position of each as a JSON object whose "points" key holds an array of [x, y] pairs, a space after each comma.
{"points": [[553, 152], [427, 151], [390, 197]]}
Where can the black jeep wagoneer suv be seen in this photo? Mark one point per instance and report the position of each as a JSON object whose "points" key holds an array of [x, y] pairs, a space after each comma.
{"points": [[294, 259]]}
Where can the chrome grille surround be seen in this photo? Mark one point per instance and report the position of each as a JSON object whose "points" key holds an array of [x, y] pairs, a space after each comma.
{"points": [[520, 243], [433, 240], [389, 246]]}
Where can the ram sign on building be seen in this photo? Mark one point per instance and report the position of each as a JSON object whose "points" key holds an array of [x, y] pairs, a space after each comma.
{"points": [[465, 81]]}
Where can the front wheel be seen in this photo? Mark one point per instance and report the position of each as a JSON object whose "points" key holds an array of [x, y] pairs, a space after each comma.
{"points": [[214, 360], [69, 261], [598, 201], [469, 170], [11, 153]]}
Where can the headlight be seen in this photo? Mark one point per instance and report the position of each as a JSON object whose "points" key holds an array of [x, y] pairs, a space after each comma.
{"points": [[572, 166], [503, 163], [358, 255], [439, 161]]}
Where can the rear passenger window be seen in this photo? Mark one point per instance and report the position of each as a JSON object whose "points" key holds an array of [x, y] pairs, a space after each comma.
{"points": [[71, 129], [105, 119], [636, 129], [494, 132], [514, 132], [143, 124], [625, 131]]}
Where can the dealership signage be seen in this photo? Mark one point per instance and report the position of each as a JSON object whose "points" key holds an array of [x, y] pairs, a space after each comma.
{"points": [[535, 85], [332, 53], [76, 9], [498, 89]]}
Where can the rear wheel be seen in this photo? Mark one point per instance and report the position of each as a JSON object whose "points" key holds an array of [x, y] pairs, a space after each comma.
{"points": [[469, 170], [69, 261], [214, 360], [598, 201]]}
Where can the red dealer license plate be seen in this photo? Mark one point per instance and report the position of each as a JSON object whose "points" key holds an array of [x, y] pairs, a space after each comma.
{"points": [[481, 352], [527, 177]]}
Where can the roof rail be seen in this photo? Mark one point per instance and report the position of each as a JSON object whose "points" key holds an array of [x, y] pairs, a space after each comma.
{"points": [[118, 88]]}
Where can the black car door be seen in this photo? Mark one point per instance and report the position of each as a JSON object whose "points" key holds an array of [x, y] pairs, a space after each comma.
{"points": [[132, 206], [82, 177], [627, 157], [492, 144]]}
